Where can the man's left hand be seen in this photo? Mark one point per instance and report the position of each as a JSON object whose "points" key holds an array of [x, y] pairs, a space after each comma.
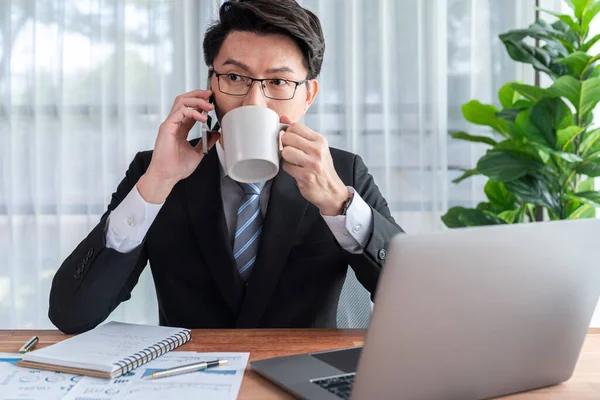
{"points": [[307, 159]]}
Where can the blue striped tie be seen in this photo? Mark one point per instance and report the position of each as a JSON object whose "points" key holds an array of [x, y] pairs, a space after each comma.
{"points": [[248, 229]]}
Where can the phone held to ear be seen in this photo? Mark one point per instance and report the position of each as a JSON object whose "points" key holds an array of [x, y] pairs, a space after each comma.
{"points": [[206, 126]]}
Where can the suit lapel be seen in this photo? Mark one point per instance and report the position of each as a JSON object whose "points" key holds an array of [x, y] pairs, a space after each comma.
{"points": [[284, 215], [205, 207]]}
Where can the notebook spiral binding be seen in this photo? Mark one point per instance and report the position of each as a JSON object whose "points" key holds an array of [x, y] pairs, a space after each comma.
{"points": [[152, 352]]}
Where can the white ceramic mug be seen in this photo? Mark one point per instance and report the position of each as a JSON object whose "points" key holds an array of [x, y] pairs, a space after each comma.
{"points": [[251, 143]]}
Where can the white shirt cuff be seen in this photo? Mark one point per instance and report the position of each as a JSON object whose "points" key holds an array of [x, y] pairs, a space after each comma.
{"points": [[353, 229], [130, 221]]}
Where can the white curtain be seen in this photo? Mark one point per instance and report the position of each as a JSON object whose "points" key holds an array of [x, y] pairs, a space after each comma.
{"points": [[84, 85]]}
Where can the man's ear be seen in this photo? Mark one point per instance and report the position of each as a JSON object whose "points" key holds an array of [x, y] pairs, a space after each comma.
{"points": [[312, 88]]}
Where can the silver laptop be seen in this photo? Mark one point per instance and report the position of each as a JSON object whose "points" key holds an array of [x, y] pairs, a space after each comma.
{"points": [[464, 314]]}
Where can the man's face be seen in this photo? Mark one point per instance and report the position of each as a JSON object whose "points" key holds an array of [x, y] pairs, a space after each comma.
{"points": [[263, 56]]}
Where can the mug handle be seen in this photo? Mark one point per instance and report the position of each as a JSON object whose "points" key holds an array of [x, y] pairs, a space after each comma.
{"points": [[282, 127]]}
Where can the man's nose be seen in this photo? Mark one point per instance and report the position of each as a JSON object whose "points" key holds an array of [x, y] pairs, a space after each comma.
{"points": [[255, 96]]}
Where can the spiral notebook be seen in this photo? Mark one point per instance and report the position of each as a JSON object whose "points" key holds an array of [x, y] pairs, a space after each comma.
{"points": [[107, 351]]}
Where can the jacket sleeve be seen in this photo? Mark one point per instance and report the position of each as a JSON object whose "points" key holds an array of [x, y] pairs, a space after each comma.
{"points": [[94, 279], [367, 265]]}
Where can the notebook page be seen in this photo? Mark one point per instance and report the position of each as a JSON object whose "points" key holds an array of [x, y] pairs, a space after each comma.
{"points": [[102, 347]]}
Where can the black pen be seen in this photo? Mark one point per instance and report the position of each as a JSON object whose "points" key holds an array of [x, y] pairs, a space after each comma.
{"points": [[184, 369]]}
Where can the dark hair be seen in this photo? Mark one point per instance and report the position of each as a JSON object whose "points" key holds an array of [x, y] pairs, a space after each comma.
{"points": [[265, 17]]}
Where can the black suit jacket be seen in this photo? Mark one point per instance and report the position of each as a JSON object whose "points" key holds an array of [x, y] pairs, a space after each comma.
{"points": [[295, 282]]}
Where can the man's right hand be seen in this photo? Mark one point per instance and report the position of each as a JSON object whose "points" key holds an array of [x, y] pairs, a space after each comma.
{"points": [[174, 158]]}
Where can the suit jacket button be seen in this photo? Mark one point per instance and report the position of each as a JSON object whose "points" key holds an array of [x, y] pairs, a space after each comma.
{"points": [[77, 274], [89, 254], [381, 254]]}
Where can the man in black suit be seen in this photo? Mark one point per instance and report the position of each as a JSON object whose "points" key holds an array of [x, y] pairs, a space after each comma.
{"points": [[178, 209]]}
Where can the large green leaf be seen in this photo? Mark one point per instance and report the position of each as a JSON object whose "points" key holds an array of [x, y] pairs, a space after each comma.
{"points": [[522, 148], [590, 43], [466, 174], [549, 115], [579, 210], [587, 120], [474, 217], [524, 128], [452, 218], [592, 9], [485, 206], [473, 138], [595, 72], [583, 95], [523, 104], [533, 93], [542, 30], [590, 142], [586, 185], [558, 36], [558, 45], [532, 189], [569, 157], [592, 156], [591, 197], [567, 19], [510, 216], [579, 7], [528, 54], [500, 198], [507, 95], [590, 168], [565, 137], [505, 166], [568, 37], [576, 63], [484, 114], [590, 70], [508, 115]]}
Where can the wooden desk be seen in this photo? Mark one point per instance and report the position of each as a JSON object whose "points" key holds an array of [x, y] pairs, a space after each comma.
{"points": [[585, 383]]}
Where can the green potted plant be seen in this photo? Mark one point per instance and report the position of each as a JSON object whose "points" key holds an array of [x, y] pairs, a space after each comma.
{"points": [[545, 151]]}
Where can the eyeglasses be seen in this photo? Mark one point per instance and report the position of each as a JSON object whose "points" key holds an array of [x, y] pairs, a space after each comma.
{"points": [[272, 88]]}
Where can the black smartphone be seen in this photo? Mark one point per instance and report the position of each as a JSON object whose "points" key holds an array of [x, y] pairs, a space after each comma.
{"points": [[206, 127]]}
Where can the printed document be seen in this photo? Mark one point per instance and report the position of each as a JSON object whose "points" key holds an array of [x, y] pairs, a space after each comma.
{"points": [[220, 383], [25, 384]]}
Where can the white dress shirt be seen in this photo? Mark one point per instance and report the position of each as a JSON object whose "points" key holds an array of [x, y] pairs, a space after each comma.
{"points": [[130, 221]]}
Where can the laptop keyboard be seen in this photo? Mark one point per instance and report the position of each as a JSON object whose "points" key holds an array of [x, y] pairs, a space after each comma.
{"points": [[341, 386]]}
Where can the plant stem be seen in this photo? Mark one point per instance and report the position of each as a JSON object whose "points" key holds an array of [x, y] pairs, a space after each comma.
{"points": [[539, 214], [566, 183], [523, 213], [531, 215], [563, 189]]}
